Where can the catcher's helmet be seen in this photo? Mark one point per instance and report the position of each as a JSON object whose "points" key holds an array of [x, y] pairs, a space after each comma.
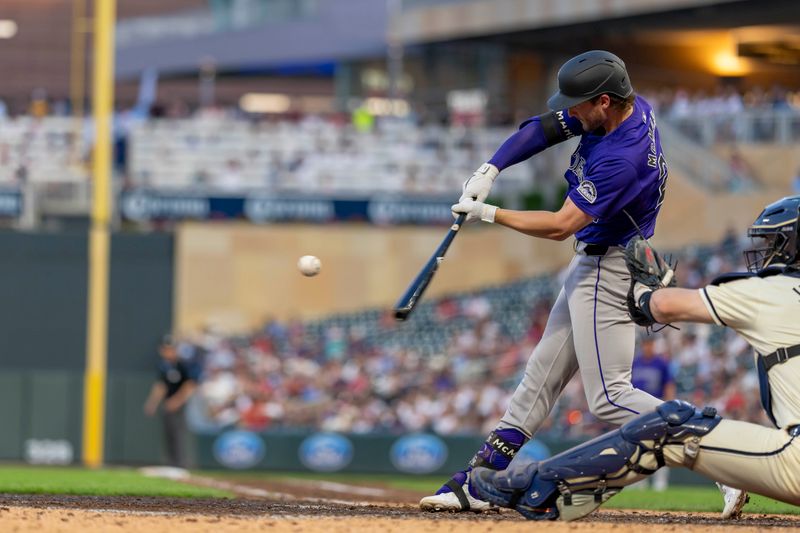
{"points": [[588, 75], [778, 224]]}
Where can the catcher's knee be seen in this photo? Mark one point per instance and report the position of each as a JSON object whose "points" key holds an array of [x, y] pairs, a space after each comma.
{"points": [[675, 418]]}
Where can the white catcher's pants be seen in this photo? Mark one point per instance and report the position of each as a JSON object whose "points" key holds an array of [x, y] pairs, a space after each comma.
{"points": [[588, 330], [747, 456]]}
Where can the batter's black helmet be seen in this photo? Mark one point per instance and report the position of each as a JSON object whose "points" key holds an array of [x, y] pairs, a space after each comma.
{"points": [[778, 223], [588, 75]]}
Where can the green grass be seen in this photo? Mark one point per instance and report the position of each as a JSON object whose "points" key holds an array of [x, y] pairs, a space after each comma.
{"points": [[676, 498], [106, 482], [700, 498]]}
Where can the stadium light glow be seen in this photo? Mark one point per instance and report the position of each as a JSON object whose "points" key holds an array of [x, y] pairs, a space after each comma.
{"points": [[728, 64], [8, 29], [265, 103]]}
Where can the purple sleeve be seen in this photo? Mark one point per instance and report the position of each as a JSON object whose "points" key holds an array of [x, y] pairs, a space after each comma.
{"points": [[608, 186], [534, 135]]}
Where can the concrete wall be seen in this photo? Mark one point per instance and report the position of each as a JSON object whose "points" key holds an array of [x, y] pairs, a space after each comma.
{"points": [[691, 215], [774, 165], [234, 275]]}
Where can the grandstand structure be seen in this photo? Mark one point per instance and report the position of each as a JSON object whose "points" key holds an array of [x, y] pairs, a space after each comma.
{"points": [[509, 49], [313, 157], [41, 150]]}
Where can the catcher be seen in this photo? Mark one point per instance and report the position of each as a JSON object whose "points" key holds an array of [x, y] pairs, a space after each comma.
{"points": [[762, 305]]}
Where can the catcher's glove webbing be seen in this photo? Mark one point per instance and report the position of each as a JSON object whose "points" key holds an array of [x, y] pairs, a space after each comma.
{"points": [[652, 271]]}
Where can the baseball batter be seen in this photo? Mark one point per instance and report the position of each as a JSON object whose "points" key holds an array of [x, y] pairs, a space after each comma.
{"points": [[763, 306], [616, 177]]}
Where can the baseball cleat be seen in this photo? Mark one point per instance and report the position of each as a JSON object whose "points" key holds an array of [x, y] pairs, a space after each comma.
{"points": [[735, 499], [455, 496]]}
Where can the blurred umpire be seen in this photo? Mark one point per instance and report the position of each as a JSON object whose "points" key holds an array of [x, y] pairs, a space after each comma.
{"points": [[177, 381], [763, 306]]}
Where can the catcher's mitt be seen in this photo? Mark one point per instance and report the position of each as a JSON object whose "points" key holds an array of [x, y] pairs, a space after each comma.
{"points": [[648, 268]]}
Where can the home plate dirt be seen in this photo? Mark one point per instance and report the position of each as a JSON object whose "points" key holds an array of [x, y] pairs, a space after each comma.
{"points": [[325, 508]]}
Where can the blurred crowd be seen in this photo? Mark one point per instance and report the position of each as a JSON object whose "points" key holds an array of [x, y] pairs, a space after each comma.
{"points": [[224, 149], [724, 100], [728, 114], [308, 155], [293, 375]]}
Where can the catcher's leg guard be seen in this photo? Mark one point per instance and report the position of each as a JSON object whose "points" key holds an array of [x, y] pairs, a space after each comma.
{"points": [[574, 483]]}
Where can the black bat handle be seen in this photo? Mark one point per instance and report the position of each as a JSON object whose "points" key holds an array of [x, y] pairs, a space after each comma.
{"points": [[409, 299]]}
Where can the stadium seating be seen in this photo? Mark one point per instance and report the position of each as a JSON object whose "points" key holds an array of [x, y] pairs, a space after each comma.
{"points": [[312, 156], [41, 150]]}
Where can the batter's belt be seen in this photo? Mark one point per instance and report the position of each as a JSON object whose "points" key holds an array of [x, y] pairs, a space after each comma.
{"points": [[588, 248]]}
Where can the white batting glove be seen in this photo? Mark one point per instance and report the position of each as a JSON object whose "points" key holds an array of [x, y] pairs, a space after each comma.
{"points": [[478, 185], [475, 210]]}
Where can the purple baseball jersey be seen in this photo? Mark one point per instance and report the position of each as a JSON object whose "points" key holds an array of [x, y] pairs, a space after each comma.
{"points": [[624, 170]]}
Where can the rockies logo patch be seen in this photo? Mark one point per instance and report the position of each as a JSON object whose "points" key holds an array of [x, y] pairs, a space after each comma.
{"points": [[587, 190]]}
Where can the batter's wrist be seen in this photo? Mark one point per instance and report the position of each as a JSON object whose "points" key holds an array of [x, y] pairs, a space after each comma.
{"points": [[488, 213], [489, 170]]}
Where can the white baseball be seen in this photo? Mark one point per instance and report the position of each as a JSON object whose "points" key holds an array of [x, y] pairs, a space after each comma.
{"points": [[309, 265]]}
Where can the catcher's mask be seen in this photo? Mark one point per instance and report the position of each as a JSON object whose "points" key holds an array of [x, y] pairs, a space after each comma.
{"points": [[777, 226]]}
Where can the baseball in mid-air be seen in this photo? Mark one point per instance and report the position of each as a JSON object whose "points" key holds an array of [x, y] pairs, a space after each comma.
{"points": [[309, 265]]}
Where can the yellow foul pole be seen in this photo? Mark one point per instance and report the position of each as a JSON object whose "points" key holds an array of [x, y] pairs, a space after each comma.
{"points": [[94, 395]]}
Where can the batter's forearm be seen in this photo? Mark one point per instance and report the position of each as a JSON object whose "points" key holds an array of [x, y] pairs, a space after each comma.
{"points": [[678, 305], [544, 224], [556, 226]]}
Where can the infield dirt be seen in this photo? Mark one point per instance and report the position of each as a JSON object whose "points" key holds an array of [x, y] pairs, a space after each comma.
{"points": [[306, 510]]}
